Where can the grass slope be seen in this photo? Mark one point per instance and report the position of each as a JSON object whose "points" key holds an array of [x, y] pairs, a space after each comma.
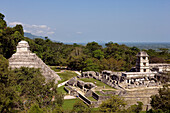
{"points": [[68, 104], [66, 75]]}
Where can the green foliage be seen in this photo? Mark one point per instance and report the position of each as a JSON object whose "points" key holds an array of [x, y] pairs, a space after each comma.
{"points": [[80, 107], [3, 64], [20, 88], [1, 16], [9, 37], [114, 104], [91, 65], [161, 100], [66, 75], [68, 104], [2, 22], [91, 47], [98, 54], [156, 111], [58, 109], [35, 109], [135, 108]]}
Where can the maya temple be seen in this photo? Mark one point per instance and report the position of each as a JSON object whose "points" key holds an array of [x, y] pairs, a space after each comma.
{"points": [[25, 58]]}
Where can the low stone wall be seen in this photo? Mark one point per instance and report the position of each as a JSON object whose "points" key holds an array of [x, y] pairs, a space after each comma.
{"points": [[86, 100], [67, 89], [95, 96]]}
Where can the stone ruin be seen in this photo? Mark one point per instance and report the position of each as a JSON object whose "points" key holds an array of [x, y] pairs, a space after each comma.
{"points": [[83, 90], [142, 78], [84, 86], [143, 75], [25, 58], [121, 81]]}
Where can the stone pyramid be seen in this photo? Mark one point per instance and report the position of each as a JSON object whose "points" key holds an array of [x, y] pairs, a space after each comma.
{"points": [[25, 58]]}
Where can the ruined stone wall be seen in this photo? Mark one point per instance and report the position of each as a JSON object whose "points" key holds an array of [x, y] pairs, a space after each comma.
{"points": [[131, 97]]}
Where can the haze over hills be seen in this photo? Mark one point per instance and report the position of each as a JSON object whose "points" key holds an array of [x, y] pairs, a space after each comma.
{"points": [[140, 45], [31, 36]]}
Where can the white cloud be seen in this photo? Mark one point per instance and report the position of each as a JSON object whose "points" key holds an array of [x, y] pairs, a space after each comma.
{"points": [[79, 32], [27, 31], [41, 30], [14, 23], [50, 33]]}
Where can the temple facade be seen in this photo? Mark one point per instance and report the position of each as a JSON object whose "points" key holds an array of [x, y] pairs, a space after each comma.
{"points": [[25, 58]]}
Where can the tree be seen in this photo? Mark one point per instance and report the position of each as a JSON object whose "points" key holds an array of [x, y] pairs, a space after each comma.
{"points": [[91, 64], [20, 88], [2, 22], [1, 16], [35, 109], [135, 108], [80, 107], [161, 100], [112, 64], [155, 59], [163, 50], [90, 47], [114, 104], [19, 28], [98, 54]]}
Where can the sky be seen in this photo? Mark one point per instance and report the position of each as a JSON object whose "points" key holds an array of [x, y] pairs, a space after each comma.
{"points": [[81, 21]]}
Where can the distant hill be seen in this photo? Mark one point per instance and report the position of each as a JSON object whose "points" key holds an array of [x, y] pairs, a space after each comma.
{"points": [[31, 36], [140, 45], [147, 45]]}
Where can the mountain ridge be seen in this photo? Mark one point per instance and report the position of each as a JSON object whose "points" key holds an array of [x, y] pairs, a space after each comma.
{"points": [[31, 36]]}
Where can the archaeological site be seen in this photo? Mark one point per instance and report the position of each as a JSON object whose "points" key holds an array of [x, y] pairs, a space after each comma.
{"points": [[138, 84]]}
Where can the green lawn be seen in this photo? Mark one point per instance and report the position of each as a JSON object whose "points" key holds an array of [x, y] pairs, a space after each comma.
{"points": [[68, 104], [95, 110], [61, 89], [66, 75], [96, 82]]}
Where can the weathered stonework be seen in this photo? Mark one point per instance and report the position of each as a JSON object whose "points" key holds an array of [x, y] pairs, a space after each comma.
{"points": [[25, 58]]}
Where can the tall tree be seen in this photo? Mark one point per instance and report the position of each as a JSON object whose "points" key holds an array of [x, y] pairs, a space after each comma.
{"points": [[114, 104], [162, 100]]}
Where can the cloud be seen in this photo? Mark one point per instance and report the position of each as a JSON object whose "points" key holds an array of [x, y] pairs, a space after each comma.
{"points": [[27, 31], [14, 23], [79, 33], [50, 32], [40, 30]]}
